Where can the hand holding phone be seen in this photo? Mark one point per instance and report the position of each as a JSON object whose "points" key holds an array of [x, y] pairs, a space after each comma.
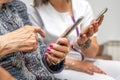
{"points": [[85, 30]]}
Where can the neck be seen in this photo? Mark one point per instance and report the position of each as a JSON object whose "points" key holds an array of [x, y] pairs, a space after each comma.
{"points": [[61, 5]]}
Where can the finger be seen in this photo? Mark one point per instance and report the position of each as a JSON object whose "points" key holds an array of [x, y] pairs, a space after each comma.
{"points": [[95, 25], [27, 49], [91, 31], [60, 48], [101, 19], [89, 72], [53, 59], [82, 39], [99, 71], [63, 41], [58, 54], [40, 31]]}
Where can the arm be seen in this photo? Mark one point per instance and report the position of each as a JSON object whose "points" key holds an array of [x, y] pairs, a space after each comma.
{"points": [[22, 11], [4, 75], [82, 66], [87, 43]]}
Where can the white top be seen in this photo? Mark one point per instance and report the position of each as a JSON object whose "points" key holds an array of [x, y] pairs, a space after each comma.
{"points": [[55, 23]]}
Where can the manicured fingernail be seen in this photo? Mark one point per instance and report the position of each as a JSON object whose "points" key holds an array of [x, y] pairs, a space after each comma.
{"points": [[46, 54], [48, 49], [51, 45]]}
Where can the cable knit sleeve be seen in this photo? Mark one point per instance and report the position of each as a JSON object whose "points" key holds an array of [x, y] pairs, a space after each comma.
{"points": [[22, 11]]}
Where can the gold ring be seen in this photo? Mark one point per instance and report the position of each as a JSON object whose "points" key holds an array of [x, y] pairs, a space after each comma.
{"points": [[68, 50]]}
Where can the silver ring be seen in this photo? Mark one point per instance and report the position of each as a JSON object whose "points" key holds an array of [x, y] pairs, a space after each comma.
{"points": [[58, 62]]}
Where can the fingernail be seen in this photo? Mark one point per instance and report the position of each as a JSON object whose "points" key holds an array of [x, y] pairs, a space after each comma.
{"points": [[48, 49], [46, 54], [51, 45]]}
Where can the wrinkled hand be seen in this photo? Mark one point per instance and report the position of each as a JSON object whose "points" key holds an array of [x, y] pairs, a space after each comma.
{"points": [[89, 31], [57, 52], [86, 67], [24, 39]]}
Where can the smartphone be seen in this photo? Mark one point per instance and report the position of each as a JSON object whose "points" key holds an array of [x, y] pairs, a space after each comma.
{"points": [[73, 27], [85, 30], [101, 13], [69, 30]]}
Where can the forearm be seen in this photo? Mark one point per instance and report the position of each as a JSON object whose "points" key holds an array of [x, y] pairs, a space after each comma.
{"points": [[72, 64], [4, 75]]}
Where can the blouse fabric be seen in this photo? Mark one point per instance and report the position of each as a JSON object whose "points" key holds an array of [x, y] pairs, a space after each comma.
{"points": [[24, 66], [55, 23]]}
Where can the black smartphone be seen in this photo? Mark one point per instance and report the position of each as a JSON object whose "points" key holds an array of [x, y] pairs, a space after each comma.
{"points": [[85, 30]]}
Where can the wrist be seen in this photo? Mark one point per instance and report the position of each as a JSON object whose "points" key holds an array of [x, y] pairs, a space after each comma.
{"points": [[4, 48], [69, 63], [85, 45]]}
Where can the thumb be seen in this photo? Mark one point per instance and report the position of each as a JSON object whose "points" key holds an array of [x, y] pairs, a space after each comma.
{"points": [[40, 31]]}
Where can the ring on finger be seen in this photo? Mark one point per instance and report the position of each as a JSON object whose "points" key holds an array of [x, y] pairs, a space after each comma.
{"points": [[53, 63], [58, 61], [68, 50]]}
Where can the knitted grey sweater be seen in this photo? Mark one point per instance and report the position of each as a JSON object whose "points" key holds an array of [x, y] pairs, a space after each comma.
{"points": [[24, 66]]}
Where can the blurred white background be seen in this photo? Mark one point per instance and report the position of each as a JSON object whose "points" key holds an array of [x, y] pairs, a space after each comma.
{"points": [[109, 31]]}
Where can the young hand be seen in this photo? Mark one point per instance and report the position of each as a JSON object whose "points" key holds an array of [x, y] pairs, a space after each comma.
{"points": [[89, 31], [57, 52]]}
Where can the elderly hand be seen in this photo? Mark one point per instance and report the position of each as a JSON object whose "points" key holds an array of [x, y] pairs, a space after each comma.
{"points": [[24, 39], [56, 52], [91, 29]]}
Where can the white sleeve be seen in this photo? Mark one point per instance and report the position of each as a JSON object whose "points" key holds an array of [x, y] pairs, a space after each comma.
{"points": [[34, 18], [88, 17]]}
